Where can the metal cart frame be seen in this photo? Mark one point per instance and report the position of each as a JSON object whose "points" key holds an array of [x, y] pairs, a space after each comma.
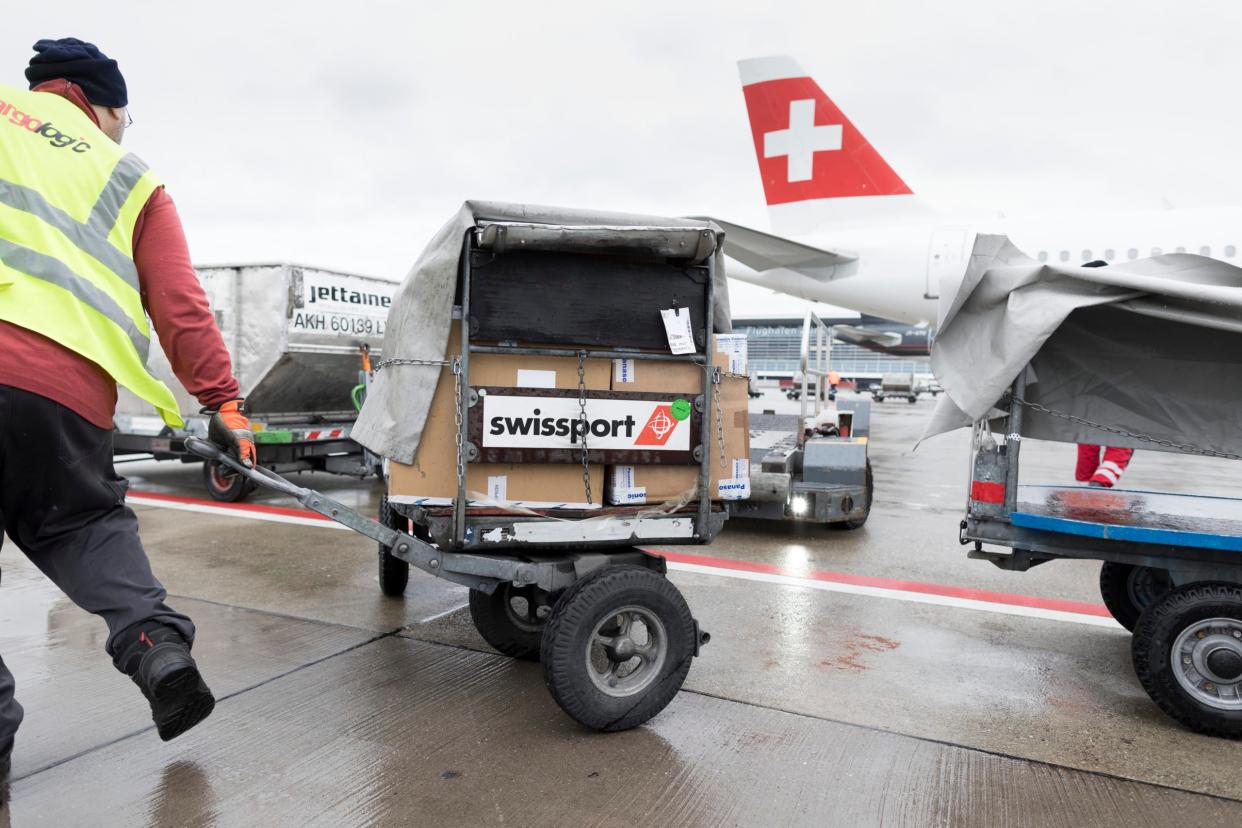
{"points": [[478, 531], [1178, 590], [599, 589]]}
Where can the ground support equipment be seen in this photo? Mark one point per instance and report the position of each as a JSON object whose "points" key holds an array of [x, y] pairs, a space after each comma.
{"points": [[1172, 569], [812, 467]]}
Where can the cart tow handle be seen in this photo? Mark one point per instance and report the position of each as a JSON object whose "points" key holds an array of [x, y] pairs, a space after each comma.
{"points": [[309, 498]]}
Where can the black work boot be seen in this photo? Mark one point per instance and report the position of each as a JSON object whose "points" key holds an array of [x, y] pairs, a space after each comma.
{"points": [[158, 660]]}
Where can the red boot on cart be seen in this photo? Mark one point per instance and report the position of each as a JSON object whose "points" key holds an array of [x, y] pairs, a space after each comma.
{"points": [[1101, 473]]}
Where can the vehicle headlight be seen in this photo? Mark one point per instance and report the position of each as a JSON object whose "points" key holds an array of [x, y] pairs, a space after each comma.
{"points": [[798, 506]]}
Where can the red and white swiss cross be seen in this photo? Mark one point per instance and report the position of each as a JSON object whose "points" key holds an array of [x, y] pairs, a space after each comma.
{"points": [[806, 147]]}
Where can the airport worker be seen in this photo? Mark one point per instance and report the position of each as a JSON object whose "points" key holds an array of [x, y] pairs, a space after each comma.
{"points": [[1092, 469], [90, 246]]}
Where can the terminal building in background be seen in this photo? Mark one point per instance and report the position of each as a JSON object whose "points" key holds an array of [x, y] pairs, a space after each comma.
{"points": [[774, 344]]}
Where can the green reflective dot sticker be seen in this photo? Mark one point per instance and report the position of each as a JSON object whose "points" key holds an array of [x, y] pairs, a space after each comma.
{"points": [[680, 409]]}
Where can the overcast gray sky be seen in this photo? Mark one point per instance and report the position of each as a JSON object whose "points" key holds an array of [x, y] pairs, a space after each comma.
{"points": [[343, 134]]}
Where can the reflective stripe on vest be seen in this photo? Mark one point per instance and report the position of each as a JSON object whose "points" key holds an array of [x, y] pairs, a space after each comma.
{"points": [[69, 200]]}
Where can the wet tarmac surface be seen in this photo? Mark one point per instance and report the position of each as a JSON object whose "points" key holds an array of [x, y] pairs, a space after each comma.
{"points": [[818, 701]]}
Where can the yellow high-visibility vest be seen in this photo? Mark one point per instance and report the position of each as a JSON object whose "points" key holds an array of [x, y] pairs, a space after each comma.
{"points": [[69, 200]]}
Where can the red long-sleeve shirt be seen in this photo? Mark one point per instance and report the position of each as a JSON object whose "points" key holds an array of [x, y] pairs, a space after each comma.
{"points": [[173, 298]]}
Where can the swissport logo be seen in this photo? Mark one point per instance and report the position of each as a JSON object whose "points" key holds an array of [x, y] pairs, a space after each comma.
{"points": [[658, 429], [557, 423]]}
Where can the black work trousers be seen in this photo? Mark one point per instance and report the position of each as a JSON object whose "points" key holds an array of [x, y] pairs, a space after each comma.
{"points": [[63, 504]]}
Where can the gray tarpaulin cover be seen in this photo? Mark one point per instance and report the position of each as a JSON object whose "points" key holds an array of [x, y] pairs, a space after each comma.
{"points": [[391, 421], [1152, 347]]}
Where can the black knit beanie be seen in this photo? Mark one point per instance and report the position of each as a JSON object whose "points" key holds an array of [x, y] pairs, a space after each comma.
{"points": [[82, 63]]}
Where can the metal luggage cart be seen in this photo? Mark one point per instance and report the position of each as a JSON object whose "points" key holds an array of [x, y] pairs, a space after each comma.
{"points": [[571, 588], [1172, 571]]}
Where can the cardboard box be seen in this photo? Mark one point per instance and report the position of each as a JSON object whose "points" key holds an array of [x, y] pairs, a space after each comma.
{"points": [[729, 354], [432, 478], [730, 479], [629, 485]]}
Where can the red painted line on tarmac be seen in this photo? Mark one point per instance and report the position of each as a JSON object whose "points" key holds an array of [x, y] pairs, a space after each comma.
{"points": [[240, 507], [1058, 604], [1010, 599]]}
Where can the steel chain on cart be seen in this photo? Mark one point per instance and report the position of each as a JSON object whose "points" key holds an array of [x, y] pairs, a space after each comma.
{"points": [[718, 415], [583, 425], [1187, 448], [461, 439]]}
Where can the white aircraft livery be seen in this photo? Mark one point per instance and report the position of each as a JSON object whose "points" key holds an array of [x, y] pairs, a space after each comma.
{"points": [[856, 235]]}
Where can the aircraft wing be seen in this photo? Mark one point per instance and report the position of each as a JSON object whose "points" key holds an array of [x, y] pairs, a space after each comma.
{"points": [[867, 337], [764, 251]]}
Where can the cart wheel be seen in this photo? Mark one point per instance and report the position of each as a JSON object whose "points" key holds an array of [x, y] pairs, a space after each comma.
{"points": [[856, 523], [512, 618], [912, 399], [394, 573], [1128, 590], [223, 484], [618, 647], [1187, 652]]}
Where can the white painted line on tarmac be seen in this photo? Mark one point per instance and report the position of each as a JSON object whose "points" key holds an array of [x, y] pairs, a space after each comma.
{"points": [[235, 512], [440, 615], [899, 595]]}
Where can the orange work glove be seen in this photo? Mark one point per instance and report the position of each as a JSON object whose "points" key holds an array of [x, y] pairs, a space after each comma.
{"points": [[229, 428]]}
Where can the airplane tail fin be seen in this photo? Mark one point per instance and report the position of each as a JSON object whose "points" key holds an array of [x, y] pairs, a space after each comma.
{"points": [[815, 164]]}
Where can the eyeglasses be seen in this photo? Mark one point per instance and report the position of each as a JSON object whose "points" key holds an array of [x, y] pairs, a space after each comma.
{"points": [[129, 119]]}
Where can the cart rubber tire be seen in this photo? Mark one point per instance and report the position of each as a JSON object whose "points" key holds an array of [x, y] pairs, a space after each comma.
{"points": [[912, 399], [568, 643], [857, 523], [1127, 590], [502, 627], [394, 573], [1157, 633], [225, 487]]}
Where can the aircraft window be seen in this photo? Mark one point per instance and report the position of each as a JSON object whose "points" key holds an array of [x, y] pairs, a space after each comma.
{"points": [[1043, 255], [1132, 253], [1086, 255], [1230, 250], [1156, 251], [1205, 251], [1110, 254], [1064, 256]]}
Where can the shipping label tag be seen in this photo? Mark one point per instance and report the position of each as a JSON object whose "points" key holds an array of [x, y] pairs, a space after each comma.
{"points": [[677, 327], [623, 370], [733, 346], [526, 378], [498, 487]]}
